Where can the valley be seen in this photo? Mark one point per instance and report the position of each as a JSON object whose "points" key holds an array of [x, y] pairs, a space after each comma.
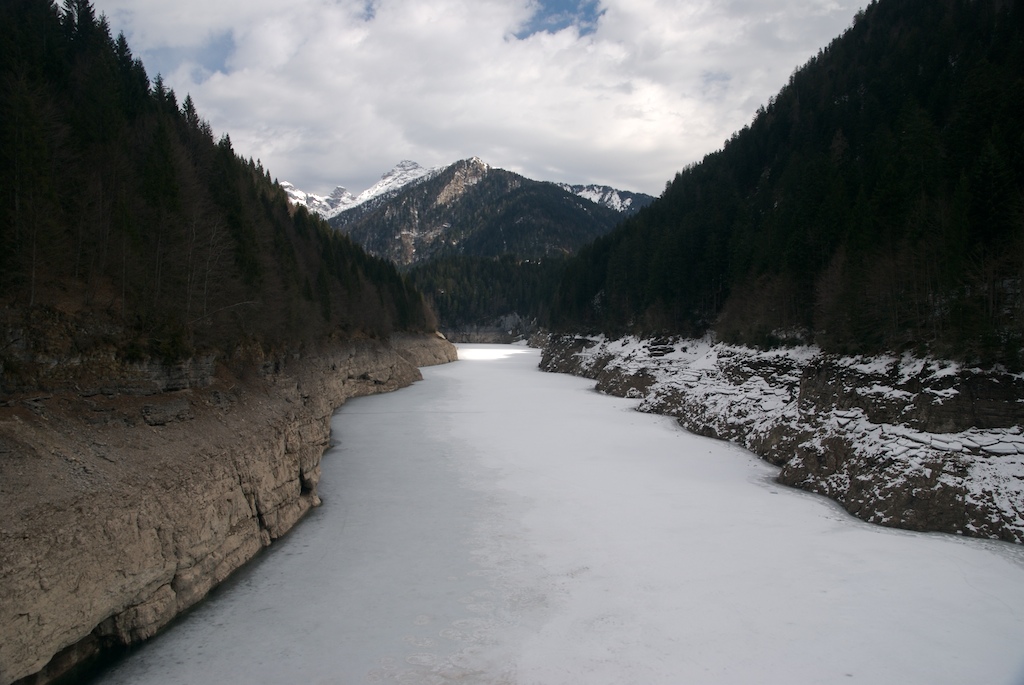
{"points": [[839, 289], [496, 524]]}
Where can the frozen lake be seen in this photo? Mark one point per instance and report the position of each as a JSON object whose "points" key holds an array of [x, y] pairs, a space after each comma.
{"points": [[496, 524]]}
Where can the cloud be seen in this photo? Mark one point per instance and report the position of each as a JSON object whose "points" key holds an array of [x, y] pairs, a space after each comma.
{"points": [[624, 92]]}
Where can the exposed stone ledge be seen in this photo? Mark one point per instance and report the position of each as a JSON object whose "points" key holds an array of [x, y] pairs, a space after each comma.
{"points": [[918, 444], [118, 512], [423, 350]]}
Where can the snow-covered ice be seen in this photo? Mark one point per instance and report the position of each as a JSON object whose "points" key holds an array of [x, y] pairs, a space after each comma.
{"points": [[723, 391], [497, 524]]}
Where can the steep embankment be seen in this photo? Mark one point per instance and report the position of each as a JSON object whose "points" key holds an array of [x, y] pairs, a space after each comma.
{"points": [[119, 511], [904, 442]]}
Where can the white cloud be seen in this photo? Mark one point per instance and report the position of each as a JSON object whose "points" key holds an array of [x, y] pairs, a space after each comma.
{"points": [[336, 91]]}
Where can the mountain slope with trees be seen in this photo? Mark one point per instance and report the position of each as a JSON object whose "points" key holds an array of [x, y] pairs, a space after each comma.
{"points": [[472, 209], [876, 203], [485, 246], [174, 339], [125, 222], [488, 299]]}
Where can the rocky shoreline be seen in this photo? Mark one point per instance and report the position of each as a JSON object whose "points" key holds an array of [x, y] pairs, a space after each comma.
{"points": [[120, 510], [919, 444]]}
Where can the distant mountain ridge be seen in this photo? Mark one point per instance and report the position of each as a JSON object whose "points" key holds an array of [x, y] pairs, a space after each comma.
{"points": [[341, 199], [624, 201], [407, 172], [469, 208]]}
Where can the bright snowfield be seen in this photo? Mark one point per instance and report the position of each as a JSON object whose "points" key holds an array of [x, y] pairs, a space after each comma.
{"points": [[497, 524]]}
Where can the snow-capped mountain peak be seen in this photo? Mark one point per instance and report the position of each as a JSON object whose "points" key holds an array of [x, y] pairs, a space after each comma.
{"points": [[404, 173], [408, 172], [606, 196], [341, 199], [341, 194]]}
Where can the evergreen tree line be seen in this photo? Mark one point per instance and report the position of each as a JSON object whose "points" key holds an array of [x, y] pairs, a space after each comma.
{"points": [[467, 291], [876, 203], [117, 202]]}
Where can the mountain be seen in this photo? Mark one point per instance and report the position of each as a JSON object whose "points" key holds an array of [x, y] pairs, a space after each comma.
{"points": [[341, 200], [127, 229], [162, 301], [471, 208], [403, 174], [873, 205], [485, 246], [406, 172], [623, 201]]}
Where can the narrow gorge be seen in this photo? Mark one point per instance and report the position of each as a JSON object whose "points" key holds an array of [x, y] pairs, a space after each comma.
{"points": [[123, 504]]}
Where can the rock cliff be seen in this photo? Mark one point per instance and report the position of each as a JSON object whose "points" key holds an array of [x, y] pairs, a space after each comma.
{"points": [[912, 443], [120, 510]]}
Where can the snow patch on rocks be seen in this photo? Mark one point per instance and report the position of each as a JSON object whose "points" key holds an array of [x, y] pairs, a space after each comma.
{"points": [[921, 444], [617, 200]]}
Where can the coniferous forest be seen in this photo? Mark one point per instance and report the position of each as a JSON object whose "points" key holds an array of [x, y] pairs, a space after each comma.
{"points": [[876, 203], [119, 209], [468, 290]]}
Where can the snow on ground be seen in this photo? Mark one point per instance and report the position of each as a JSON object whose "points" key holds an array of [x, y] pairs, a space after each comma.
{"points": [[987, 464], [496, 524]]}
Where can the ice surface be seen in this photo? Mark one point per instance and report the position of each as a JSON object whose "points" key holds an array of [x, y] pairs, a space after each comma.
{"points": [[988, 464], [496, 524]]}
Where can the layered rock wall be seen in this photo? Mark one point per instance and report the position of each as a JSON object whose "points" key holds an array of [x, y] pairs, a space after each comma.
{"points": [[120, 511]]}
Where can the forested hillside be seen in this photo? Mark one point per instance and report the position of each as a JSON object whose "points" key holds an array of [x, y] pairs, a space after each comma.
{"points": [[468, 291], [485, 246], [876, 203], [124, 224]]}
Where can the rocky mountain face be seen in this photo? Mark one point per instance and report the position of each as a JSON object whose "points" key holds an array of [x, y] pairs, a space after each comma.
{"points": [[471, 208], [121, 507], [400, 219], [408, 172], [342, 200]]}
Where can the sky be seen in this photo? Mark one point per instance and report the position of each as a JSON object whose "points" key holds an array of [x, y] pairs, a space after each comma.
{"points": [[616, 92]]}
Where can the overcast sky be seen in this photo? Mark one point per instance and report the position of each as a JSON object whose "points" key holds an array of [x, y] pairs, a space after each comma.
{"points": [[618, 92]]}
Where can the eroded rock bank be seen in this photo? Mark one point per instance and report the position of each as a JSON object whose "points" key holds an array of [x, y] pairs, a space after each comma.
{"points": [[120, 510], [919, 444]]}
